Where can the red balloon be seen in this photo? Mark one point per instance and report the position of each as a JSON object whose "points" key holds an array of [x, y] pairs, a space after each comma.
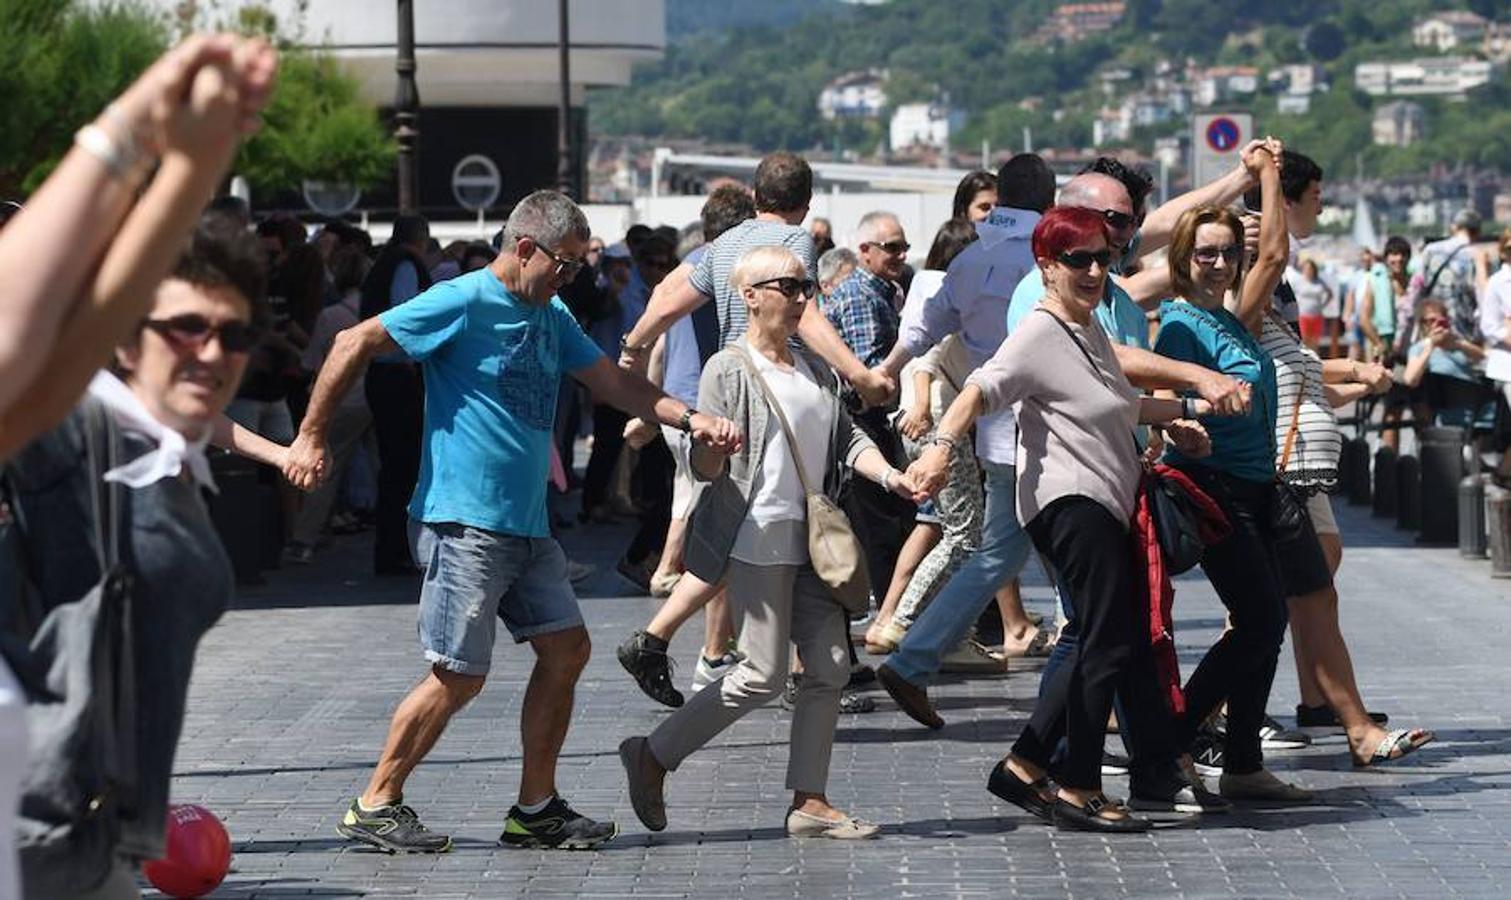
{"points": [[198, 857]]}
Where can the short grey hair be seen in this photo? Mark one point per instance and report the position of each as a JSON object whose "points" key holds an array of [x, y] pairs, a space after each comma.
{"points": [[547, 217], [870, 225], [833, 260]]}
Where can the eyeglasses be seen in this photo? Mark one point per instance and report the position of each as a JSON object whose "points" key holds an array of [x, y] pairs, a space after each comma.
{"points": [[565, 268], [193, 330], [895, 248], [1207, 256], [790, 287], [1118, 220], [1081, 260]]}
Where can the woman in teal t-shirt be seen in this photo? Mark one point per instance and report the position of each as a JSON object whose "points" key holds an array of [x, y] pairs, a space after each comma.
{"points": [[1206, 263]]}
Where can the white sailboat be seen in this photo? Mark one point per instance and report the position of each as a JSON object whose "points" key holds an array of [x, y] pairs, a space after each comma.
{"points": [[1364, 233]]}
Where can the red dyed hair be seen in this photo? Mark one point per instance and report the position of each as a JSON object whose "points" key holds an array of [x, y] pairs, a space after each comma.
{"points": [[1065, 228]]}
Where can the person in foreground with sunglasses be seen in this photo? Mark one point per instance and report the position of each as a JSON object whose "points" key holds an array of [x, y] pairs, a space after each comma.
{"points": [[1272, 549], [494, 345], [171, 381], [1079, 471], [750, 530]]}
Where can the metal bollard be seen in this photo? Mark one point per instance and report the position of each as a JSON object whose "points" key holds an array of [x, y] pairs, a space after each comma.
{"points": [[1442, 458], [1472, 536], [1358, 487], [1408, 493], [1385, 483], [1498, 512]]}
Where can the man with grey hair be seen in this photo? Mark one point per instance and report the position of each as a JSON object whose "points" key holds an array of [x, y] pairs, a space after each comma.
{"points": [[493, 345], [835, 266], [864, 308]]}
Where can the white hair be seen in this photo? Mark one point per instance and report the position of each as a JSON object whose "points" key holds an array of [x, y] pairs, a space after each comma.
{"points": [[548, 218], [763, 263], [869, 228]]}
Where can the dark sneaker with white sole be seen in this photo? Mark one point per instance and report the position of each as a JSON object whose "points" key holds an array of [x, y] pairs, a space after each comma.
{"points": [[557, 827], [1174, 791], [1113, 764], [1207, 752], [394, 828], [1274, 736], [644, 656]]}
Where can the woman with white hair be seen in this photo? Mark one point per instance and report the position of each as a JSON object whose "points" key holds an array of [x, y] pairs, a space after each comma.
{"points": [[756, 537]]}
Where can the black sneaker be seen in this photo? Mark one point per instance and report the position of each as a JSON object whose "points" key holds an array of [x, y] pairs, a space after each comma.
{"points": [[557, 827], [1274, 736], [644, 657], [1171, 790], [1113, 764], [1324, 717], [855, 702], [394, 828], [1207, 752], [788, 699]]}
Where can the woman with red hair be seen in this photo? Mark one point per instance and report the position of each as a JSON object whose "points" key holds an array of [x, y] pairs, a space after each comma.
{"points": [[1078, 478]]}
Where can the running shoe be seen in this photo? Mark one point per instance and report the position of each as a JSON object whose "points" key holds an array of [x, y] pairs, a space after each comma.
{"points": [[644, 657], [394, 828], [557, 827]]}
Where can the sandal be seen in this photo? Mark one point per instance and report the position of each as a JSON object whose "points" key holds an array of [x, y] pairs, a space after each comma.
{"points": [[1038, 647], [1395, 745]]}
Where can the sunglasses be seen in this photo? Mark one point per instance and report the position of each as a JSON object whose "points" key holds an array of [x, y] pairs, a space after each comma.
{"points": [[1207, 256], [895, 248], [790, 287], [1118, 220], [565, 268], [1081, 260], [193, 330]]}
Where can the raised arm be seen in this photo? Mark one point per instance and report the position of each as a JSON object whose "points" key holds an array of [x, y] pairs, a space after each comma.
{"points": [[1274, 243], [1160, 224]]}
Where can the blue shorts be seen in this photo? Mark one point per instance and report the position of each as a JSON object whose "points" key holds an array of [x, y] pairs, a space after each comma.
{"points": [[474, 577]]}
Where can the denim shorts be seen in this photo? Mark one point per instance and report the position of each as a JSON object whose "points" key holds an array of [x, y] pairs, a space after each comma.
{"points": [[474, 577]]}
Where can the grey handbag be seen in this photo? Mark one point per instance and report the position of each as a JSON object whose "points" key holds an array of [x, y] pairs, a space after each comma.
{"points": [[75, 662]]}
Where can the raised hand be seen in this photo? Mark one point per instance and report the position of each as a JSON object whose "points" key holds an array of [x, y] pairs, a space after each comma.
{"points": [[717, 434]]}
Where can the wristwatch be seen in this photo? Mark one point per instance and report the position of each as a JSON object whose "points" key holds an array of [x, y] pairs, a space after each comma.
{"points": [[685, 423], [626, 347]]}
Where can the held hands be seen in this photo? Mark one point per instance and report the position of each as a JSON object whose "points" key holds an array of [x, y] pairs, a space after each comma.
{"points": [[717, 434], [916, 423], [1227, 396], [904, 485], [1375, 375], [1189, 437], [638, 433], [929, 472], [305, 462], [876, 387], [1260, 153]]}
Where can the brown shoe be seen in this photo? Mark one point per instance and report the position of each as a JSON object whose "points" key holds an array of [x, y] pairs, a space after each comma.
{"points": [[910, 698], [645, 777]]}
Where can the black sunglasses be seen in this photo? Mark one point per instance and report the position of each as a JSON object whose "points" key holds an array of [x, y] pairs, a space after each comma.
{"points": [[1230, 254], [1081, 260], [790, 287], [193, 330], [896, 248], [1118, 220], [565, 268]]}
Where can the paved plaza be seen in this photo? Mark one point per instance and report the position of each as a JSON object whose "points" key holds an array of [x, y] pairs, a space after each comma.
{"points": [[293, 691]]}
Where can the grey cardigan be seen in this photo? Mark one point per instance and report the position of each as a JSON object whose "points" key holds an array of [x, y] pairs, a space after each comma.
{"points": [[727, 389]]}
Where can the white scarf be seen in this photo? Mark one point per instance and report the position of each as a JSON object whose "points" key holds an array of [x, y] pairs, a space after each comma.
{"points": [[173, 449]]}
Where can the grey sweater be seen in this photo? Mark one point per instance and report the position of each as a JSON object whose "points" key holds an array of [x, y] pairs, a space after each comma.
{"points": [[727, 389]]}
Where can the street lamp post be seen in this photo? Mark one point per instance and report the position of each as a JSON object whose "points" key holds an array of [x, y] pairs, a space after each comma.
{"points": [[564, 105], [406, 107]]}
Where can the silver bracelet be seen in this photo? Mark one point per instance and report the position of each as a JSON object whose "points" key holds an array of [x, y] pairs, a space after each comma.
{"points": [[887, 478], [94, 140]]}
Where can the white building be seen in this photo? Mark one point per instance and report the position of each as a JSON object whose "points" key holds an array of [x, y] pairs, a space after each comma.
{"points": [[1448, 76], [1297, 79], [924, 125], [1449, 29], [858, 95], [1293, 104], [1222, 83], [1399, 124]]}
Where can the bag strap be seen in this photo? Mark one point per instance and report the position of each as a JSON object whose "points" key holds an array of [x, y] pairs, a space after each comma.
{"points": [[781, 417], [1433, 281], [1290, 435], [107, 498]]}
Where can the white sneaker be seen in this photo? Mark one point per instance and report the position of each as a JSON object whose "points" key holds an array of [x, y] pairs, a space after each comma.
{"points": [[705, 674]]}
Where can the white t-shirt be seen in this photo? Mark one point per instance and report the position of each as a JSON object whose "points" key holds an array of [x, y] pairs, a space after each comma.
{"points": [[775, 530], [12, 768], [947, 361]]}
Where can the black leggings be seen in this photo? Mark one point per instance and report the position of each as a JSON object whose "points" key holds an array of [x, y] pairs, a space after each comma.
{"points": [[396, 395], [1093, 554], [1246, 574]]}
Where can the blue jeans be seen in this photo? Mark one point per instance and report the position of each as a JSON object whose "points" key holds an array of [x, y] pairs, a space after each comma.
{"points": [[945, 621]]}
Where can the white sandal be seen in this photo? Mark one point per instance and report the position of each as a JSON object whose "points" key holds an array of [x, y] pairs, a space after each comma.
{"points": [[845, 828]]}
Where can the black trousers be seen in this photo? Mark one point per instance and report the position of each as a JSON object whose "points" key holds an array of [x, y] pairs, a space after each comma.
{"points": [[396, 396], [653, 484], [1240, 667], [882, 520], [608, 440], [1092, 552]]}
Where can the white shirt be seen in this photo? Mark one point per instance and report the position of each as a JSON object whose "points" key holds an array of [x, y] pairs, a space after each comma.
{"points": [[1495, 306], [775, 531], [947, 361]]}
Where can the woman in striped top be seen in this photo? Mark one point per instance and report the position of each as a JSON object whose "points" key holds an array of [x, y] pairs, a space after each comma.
{"points": [[1308, 445]]}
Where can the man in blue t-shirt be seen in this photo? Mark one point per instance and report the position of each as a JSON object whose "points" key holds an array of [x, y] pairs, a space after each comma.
{"points": [[493, 345]]}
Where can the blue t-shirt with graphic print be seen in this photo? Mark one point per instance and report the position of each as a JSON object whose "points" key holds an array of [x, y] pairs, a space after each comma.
{"points": [[492, 363]]}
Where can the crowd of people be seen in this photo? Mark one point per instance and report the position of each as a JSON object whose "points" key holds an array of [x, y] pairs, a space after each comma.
{"points": [[806, 436]]}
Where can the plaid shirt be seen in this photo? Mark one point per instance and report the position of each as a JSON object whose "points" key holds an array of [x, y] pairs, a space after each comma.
{"points": [[864, 312]]}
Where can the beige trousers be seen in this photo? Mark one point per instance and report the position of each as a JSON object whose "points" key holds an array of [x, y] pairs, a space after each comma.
{"points": [[773, 607]]}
